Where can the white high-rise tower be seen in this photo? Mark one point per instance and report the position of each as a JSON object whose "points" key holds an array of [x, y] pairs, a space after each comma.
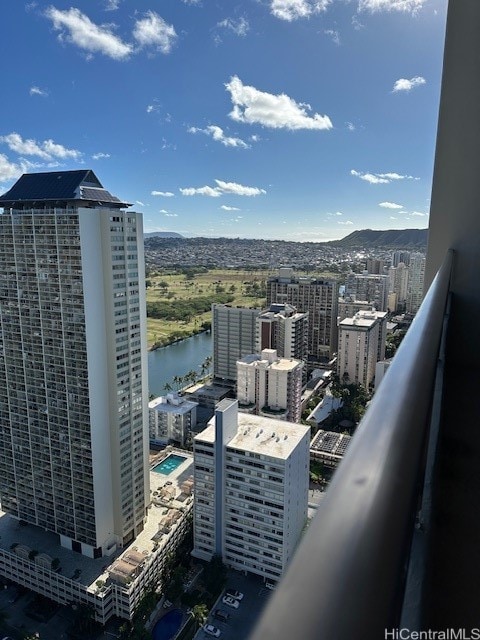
{"points": [[73, 375]]}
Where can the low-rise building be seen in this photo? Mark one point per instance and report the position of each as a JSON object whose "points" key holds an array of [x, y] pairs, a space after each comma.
{"points": [[171, 419]]}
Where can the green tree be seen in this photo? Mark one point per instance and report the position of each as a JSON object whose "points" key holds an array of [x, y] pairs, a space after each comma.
{"points": [[199, 614]]}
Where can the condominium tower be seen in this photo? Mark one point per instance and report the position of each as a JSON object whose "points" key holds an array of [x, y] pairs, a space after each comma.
{"points": [[73, 376], [318, 297], [251, 490], [283, 328]]}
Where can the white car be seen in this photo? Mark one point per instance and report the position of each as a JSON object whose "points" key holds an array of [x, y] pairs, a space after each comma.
{"points": [[233, 593], [211, 630], [231, 602], [270, 585]]}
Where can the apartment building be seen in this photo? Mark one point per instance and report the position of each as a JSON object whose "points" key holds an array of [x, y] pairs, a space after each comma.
{"points": [[73, 392], [270, 386], [371, 288], [398, 286], [416, 275], [315, 296], [283, 328], [234, 336], [171, 419], [361, 345], [251, 490]]}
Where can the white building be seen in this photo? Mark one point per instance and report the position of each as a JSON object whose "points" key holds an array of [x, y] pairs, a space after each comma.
{"points": [[171, 419], [318, 297], [361, 344], [348, 307], [270, 386], [415, 282], [283, 328], [251, 490], [370, 288], [234, 336]]}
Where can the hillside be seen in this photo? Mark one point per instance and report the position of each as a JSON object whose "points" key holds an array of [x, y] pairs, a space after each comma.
{"points": [[162, 234], [369, 239]]}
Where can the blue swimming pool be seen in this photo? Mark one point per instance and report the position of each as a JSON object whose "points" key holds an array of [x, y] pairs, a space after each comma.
{"points": [[168, 465], [168, 626]]}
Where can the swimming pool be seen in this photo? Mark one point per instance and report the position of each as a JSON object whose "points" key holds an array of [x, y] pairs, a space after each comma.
{"points": [[167, 627], [168, 465]]}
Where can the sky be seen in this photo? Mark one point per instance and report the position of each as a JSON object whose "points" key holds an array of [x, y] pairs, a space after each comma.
{"points": [[277, 119]]}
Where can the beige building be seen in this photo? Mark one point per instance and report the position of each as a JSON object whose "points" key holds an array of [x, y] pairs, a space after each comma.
{"points": [[171, 419], [270, 386], [361, 345]]}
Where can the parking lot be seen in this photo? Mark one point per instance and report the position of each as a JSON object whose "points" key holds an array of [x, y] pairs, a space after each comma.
{"points": [[241, 621]]}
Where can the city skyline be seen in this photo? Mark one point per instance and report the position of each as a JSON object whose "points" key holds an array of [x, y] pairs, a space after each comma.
{"points": [[286, 119]]}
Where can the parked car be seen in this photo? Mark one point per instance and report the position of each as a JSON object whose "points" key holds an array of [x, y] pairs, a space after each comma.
{"points": [[231, 602], [271, 585], [233, 593], [221, 615], [211, 630]]}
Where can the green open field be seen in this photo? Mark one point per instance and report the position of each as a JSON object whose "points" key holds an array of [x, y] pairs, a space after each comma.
{"points": [[245, 288]]}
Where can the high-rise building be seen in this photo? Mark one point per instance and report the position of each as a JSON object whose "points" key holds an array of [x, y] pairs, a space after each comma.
{"points": [[400, 256], [270, 386], [416, 274], [73, 374], [361, 344], [283, 328], [251, 490], [375, 266], [234, 336], [371, 288], [171, 419], [315, 296], [398, 285], [348, 307]]}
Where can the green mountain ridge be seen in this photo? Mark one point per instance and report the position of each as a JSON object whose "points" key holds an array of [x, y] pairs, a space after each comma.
{"points": [[369, 239]]}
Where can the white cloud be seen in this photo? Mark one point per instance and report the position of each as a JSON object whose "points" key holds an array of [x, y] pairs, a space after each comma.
{"points": [[46, 149], [8, 170], [165, 194], [232, 188], [112, 5], [211, 192], [339, 213], [335, 36], [162, 211], [219, 136], [393, 218], [100, 156], [294, 9], [408, 6], [276, 111], [140, 204], [240, 27], [238, 189], [390, 205], [77, 28], [380, 178], [407, 85], [192, 2], [36, 91], [154, 31], [227, 208], [171, 215], [418, 213], [350, 126], [347, 222]]}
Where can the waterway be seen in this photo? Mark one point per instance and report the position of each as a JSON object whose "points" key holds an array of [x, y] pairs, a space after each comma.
{"points": [[176, 360]]}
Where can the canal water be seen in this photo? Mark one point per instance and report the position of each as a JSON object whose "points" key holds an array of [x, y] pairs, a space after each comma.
{"points": [[176, 360]]}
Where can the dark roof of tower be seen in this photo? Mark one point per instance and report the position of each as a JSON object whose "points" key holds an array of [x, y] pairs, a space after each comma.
{"points": [[59, 186]]}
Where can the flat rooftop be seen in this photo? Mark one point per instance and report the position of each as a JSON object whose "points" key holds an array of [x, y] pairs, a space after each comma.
{"points": [[87, 571]]}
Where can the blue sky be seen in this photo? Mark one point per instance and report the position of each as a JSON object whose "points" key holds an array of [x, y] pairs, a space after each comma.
{"points": [[276, 119]]}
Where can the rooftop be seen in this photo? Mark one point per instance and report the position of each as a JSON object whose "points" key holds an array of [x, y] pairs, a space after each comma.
{"points": [[59, 186]]}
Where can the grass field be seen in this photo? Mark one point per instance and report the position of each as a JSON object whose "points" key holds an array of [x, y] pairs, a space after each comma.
{"points": [[171, 286]]}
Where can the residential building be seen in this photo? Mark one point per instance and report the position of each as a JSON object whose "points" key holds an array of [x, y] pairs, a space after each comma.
{"points": [[416, 275], [73, 370], [348, 307], [400, 257], [171, 419], [371, 288], [283, 328], [398, 285], [375, 266], [361, 345], [315, 296], [234, 336], [251, 490], [270, 386]]}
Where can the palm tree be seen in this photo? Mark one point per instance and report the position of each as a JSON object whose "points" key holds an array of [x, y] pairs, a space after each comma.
{"points": [[168, 387], [199, 614]]}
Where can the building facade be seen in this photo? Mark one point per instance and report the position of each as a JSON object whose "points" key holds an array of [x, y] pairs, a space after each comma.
{"points": [[315, 296], [171, 419], [416, 275], [398, 285], [251, 490], [283, 328], [234, 336], [270, 386], [371, 288], [361, 345], [73, 374]]}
